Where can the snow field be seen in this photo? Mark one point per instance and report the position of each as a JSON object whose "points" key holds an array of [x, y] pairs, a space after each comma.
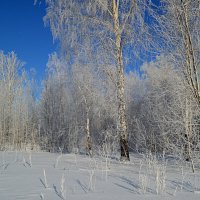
{"points": [[48, 176]]}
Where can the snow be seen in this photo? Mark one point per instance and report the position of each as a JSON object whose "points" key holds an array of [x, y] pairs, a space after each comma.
{"points": [[48, 176]]}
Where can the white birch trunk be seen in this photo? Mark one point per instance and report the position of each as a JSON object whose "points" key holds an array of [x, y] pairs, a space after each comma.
{"points": [[122, 125]]}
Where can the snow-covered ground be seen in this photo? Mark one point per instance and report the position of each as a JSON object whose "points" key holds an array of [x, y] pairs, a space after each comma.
{"points": [[32, 176]]}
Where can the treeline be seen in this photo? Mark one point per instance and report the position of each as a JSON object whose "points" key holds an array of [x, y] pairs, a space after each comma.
{"points": [[79, 99]]}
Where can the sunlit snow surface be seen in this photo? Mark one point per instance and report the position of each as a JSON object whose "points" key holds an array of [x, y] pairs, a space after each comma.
{"points": [[76, 177]]}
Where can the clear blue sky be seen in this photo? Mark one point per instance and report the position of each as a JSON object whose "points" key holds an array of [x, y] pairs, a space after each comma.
{"points": [[22, 31]]}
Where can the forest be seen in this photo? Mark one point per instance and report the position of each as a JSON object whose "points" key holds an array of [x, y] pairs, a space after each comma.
{"points": [[125, 79]]}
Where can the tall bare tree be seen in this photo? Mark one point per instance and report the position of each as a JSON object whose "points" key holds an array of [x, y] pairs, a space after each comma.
{"points": [[178, 31], [111, 27]]}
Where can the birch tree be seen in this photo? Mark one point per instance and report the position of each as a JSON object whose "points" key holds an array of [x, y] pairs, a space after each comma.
{"points": [[164, 110], [84, 82], [178, 31], [18, 127], [72, 109], [10, 86], [109, 26]]}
